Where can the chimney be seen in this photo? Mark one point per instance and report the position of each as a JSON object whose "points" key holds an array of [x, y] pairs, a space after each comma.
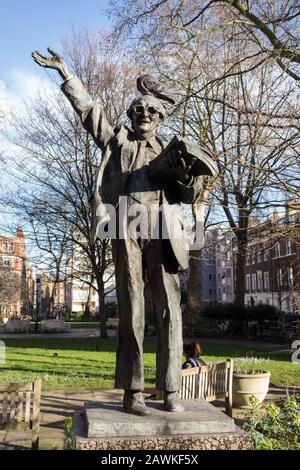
{"points": [[20, 232]]}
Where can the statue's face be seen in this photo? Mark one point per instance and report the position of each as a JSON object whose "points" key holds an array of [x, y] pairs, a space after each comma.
{"points": [[145, 116]]}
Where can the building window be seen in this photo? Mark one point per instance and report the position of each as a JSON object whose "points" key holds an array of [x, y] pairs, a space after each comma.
{"points": [[6, 263], [266, 255], [248, 283], [10, 247], [247, 259], [266, 282], [288, 247], [259, 256], [280, 277], [229, 290], [253, 257], [277, 250], [228, 272], [219, 276], [259, 280], [210, 292], [291, 277], [254, 282]]}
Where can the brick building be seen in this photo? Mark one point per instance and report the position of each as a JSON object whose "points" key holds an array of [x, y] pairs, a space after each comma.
{"points": [[16, 288], [273, 263]]}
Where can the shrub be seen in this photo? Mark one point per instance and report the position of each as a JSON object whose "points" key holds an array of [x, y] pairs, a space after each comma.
{"points": [[68, 433], [111, 309], [277, 427], [249, 365], [262, 312]]}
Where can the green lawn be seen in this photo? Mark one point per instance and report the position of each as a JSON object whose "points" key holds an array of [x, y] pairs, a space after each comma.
{"points": [[87, 363]]}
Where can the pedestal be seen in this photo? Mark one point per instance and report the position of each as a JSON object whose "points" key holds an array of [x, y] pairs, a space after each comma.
{"points": [[105, 426]]}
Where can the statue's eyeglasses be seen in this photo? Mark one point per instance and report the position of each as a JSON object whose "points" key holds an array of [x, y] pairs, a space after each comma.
{"points": [[141, 109]]}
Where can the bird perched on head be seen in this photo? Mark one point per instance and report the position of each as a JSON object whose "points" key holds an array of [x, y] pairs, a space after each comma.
{"points": [[149, 85]]}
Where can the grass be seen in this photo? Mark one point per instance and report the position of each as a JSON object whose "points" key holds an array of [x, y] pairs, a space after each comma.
{"points": [[77, 364]]}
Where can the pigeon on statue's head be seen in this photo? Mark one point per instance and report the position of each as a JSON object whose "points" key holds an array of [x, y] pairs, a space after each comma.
{"points": [[152, 91], [149, 85]]}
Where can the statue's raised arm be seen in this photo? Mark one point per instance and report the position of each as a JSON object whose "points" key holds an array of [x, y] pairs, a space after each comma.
{"points": [[89, 111]]}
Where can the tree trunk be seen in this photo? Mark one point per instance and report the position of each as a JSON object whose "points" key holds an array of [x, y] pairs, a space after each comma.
{"points": [[87, 308], [194, 293], [238, 324], [240, 271], [102, 312], [193, 301]]}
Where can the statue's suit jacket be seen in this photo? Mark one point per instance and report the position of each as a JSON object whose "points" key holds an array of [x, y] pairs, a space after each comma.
{"points": [[120, 147]]}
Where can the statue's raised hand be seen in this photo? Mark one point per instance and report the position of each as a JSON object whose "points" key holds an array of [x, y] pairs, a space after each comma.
{"points": [[55, 62]]}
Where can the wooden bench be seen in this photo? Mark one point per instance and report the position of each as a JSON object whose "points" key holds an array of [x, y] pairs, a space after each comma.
{"points": [[209, 382], [17, 326], [20, 404], [54, 326]]}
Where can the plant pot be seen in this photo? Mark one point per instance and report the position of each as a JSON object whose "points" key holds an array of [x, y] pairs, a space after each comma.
{"points": [[246, 385]]}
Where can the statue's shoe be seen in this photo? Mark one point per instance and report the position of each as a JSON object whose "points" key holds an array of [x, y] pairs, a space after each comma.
{"points": [[133, 402], [172, 402]]}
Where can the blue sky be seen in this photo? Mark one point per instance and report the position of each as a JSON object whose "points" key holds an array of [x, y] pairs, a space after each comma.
{"points": [[27, 25]]}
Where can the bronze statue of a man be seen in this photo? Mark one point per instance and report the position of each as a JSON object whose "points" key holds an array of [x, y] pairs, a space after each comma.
{"points": [[124, 172]]}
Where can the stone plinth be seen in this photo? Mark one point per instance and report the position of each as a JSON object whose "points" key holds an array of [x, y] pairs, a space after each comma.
{"points": [[106, 426]]}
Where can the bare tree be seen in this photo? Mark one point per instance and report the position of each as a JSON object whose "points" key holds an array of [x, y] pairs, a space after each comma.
{"points": [[246, 115], [271, 27]]}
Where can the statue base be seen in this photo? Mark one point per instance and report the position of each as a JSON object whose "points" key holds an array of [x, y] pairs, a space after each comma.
{"points": [[105, 426]]}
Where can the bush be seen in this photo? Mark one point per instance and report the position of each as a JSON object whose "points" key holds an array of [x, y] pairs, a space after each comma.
{"points": [[68, 434], [262, 312], [223, 312], [277, 427], [111, 309], [223, 316]]}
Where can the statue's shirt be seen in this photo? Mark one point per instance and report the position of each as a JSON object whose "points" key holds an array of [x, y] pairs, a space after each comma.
{"points": [[140, 188]]}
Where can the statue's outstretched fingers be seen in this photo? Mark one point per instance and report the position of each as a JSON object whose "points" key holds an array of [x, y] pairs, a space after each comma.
{"points": [[41, 56], [37, 59], [52, 52]]}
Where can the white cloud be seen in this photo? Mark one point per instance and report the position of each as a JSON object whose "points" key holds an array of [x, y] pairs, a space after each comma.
{"points": [[22, 87]]}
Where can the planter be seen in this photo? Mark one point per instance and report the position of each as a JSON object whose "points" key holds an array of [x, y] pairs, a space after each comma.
{"points": [[246, 385]]}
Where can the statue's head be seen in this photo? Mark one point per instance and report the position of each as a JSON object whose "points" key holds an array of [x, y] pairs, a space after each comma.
{"points": [[146, 113]]}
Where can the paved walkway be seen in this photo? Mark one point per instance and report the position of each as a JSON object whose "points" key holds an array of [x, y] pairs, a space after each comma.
{"points": [[73, 333], [56, 406]]}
